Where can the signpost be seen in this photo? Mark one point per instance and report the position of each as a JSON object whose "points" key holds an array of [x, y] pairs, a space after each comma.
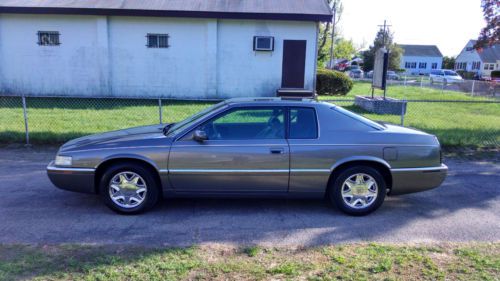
{"points": [[380, 70]]}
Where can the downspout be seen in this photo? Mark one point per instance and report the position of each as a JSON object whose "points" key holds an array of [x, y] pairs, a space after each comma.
{"points": [[315, 58]]}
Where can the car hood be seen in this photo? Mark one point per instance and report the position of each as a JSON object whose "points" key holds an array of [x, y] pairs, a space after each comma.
{"points": [[136, 136]]}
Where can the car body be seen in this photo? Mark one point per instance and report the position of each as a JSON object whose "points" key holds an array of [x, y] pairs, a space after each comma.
{"points": [[445, 76], [355, 73], [253, 147]]}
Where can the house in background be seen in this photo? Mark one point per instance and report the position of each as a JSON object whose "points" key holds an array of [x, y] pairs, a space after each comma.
{"points": [[482, 62], [159, 48], [420, 59]]}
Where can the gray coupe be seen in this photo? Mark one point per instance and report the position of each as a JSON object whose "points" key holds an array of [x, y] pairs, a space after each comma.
{"points": [[266, 147]]}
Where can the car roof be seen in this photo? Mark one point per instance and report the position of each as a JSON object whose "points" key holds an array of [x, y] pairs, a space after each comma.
{"points": [[271, 101]]}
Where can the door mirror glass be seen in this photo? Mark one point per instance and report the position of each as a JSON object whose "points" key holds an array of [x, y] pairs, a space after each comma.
{"points": [[200, 136]]}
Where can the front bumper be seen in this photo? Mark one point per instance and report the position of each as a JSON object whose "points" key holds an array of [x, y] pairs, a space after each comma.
{"points": [[409, 180], [72, 179]]}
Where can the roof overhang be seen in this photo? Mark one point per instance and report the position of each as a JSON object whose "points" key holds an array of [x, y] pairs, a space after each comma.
{"points": [[164, 13]]}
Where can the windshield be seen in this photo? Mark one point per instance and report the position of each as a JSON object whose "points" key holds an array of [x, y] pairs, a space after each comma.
{"points": [[359, 118], [450, 73], [178, 127]]}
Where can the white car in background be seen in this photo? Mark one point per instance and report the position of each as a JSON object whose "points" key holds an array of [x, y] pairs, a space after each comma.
{"points": [[445, 76]]}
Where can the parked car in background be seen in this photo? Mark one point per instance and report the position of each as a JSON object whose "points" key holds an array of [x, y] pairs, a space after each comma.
{"points": [[445, 76], [391, 75], [356, 73], [248, 147]]}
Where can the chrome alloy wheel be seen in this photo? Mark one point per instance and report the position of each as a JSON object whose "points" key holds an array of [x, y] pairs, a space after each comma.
{"points": [[127, 189], [359, 191]]}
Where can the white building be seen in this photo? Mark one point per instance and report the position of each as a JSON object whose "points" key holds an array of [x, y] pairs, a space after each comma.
{"points": [[482, 62], [180, 49], [420, 59]]}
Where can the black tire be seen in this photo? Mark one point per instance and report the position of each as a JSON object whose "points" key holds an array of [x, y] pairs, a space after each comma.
{"points": [[336, 185], [153, 188]]}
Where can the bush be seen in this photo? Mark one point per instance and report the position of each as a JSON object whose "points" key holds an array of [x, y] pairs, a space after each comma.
{"points": [[495, 74], [467, 75], [330, 82]]}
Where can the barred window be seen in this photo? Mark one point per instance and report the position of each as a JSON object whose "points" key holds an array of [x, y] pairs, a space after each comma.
{"points": [[434, 65], [422, 65], [157, 40], [48, 38]]}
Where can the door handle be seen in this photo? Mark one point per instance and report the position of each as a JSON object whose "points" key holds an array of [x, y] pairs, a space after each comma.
{"points": [[277, 150]]}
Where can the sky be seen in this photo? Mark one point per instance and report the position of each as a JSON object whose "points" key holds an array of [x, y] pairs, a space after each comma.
{"points": [[449, 24]]}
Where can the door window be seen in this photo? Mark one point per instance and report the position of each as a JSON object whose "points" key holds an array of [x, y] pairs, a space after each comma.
{"points": [[303, 123], [247, 124]]}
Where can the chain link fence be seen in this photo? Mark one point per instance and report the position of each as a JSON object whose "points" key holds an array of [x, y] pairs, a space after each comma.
{"points": [[58, 119], [469, 87]]}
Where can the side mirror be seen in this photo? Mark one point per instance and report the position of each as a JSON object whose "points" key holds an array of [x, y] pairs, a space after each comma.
{"points": [[200, 136]]}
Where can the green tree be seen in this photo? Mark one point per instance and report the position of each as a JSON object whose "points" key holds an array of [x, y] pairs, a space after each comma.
{"points": [[490, 34], [325, 32], [395, 52], [448, 62], [344, 49]]}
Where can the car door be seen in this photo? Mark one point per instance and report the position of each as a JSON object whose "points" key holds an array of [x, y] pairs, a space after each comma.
{"points": [[245, 151]]}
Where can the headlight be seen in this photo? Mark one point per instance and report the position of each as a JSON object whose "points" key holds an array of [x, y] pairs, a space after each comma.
{"points": [[63, 160]]}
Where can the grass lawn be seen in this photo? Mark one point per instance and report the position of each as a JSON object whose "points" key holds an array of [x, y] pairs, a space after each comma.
{"points": [[53, 120], [347, 262]]}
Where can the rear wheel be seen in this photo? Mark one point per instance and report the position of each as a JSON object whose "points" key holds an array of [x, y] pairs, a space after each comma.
{"points": [[129, 188], [358, 191]]}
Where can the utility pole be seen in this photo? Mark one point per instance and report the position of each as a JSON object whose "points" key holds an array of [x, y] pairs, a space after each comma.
{"points": [[385, 27], [333, 31]]}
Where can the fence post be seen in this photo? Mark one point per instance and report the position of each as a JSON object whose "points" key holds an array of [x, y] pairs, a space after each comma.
{"points": [[25, 113], [405, 80], [160, 111], [472, 89], [421, 81], [403, 111]]}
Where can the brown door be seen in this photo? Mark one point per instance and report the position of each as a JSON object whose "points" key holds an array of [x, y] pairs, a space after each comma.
{"points": [[294, 64]]}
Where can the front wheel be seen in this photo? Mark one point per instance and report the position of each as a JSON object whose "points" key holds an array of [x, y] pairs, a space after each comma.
{"points": [[129, 188], [358, 191]]}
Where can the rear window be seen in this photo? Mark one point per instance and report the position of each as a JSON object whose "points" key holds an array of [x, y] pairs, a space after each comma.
{"points": [[360, 118], [303, 123], [450, 73]]}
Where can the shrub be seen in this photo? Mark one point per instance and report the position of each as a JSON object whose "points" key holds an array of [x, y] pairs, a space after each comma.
{"points": [[331, 82], [495, 74], [466, 74]]}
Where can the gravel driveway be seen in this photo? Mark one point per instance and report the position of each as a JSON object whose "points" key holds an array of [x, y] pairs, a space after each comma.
{"points": [[465, 208]]}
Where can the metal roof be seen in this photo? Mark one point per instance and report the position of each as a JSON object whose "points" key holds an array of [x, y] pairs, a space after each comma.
{"points": [[303, 10], [421, 50]]}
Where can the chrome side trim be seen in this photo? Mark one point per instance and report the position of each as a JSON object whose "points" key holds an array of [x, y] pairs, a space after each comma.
{"points": [[244, 171], [50, 167], [310, 170], [225, 171], [423, 169], [303, 144]]}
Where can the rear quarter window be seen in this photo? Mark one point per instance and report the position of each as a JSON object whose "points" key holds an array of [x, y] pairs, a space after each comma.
{"points": [[303, 123]]}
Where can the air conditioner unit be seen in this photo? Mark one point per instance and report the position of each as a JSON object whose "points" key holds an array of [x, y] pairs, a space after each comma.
{"points": [[263, 43]]}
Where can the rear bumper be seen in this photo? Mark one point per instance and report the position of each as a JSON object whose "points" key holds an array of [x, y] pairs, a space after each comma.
{"points": [[409, 180], [72, 179]]}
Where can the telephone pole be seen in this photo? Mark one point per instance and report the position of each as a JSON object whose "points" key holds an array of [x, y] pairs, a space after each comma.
{"points": [[333, 32], [385, 27]]}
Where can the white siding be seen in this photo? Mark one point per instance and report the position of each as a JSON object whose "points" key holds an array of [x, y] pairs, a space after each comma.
{"points": [[107, 56], [418, 59]]}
